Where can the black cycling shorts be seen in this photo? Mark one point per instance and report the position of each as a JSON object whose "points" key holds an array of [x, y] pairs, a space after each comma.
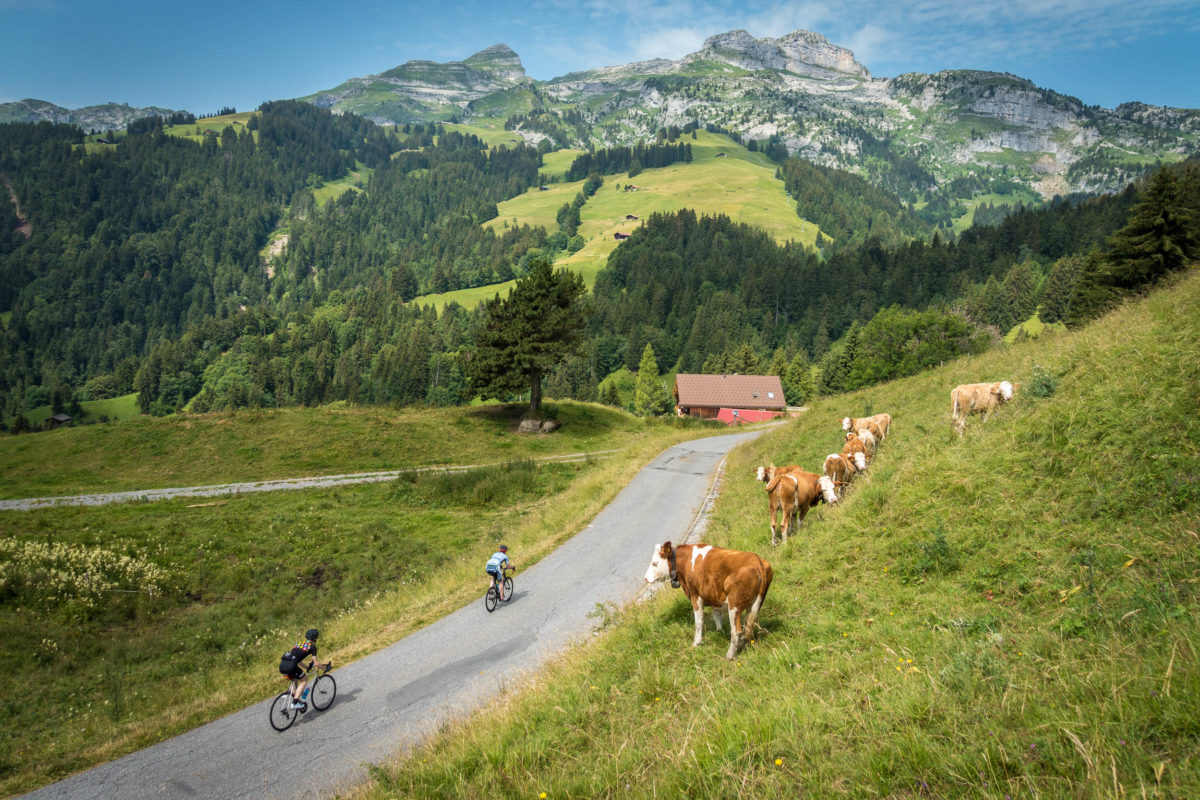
{"points": [[291, 668]]}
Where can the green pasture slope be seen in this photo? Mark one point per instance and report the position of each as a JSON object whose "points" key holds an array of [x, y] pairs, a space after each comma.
{"points": [[127, 623], [723, 178], [114, 408], [1010, 614]]}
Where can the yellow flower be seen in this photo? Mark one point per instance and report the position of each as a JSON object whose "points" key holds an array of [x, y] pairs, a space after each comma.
{"points": [[779, 762]]}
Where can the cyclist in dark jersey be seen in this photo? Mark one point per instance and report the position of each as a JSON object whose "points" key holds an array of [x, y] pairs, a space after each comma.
{"points": [[291, 666]]}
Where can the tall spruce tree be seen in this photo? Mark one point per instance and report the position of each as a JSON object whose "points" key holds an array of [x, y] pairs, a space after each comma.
{"points": [[649, 398], [1059, 286], [1158, 238], [523, 336]]}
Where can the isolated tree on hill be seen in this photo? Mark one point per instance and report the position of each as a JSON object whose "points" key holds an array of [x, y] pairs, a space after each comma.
{"points": [[524, 335]]}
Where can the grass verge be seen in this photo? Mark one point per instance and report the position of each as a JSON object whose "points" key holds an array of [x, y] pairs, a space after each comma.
{"points": [[129, 623], [1010, 614]]}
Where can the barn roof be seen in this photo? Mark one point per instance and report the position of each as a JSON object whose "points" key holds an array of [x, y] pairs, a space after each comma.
{"points": [[730, 391]]}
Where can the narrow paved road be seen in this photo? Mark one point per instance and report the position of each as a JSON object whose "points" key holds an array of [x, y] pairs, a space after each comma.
{"points": [[397, 697]]}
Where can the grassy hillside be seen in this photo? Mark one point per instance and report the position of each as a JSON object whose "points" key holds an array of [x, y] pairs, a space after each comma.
{"points": [[1012, 614], [739, 184], [124, 624], [187, 450]]}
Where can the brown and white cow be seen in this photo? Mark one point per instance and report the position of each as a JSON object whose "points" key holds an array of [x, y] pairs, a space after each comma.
{"points": [[855, 449], [870, 436], [730, 580], [840, 470], [977, 398], [781, 495], [794, 491], [884, 421]]}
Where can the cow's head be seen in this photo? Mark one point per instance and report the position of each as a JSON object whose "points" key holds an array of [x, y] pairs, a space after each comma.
{"points": [[847, 423], [765, 474], [828, 491], [662, 564], [1006, 391], [860, 460]]}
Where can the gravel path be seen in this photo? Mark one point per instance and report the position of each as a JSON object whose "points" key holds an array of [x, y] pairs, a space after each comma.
{"points": [[283, 484], [395, 698]]}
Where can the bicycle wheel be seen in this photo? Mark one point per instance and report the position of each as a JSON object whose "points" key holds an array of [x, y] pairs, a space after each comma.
{"points": [[491, 599], [507, 589], [282, 715], [322, 693]]}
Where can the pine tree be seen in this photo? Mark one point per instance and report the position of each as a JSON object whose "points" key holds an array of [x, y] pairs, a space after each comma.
{"points": [[539, 324], [1158, 238], [1019, 291], [1059, 287], [649, 397], [797, 380]]}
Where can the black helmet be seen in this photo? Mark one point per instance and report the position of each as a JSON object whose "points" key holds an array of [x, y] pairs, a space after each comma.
{"points": [[311, 634], [503, 548]]}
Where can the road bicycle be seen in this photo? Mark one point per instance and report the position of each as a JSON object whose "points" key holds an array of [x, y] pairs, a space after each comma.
{"points": [[492, 598], [321, 691]]}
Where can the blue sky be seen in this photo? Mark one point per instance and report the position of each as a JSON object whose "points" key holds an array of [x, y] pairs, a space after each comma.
{"points": [[201, 56]]}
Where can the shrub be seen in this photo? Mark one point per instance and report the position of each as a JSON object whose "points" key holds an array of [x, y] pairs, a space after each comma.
{"points": [[1043, 382]]}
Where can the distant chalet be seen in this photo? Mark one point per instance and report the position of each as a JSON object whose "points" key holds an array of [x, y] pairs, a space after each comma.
{"points": [[620, 236], [730, 398]]}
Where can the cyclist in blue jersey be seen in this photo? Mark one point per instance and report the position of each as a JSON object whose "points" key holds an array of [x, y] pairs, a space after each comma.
{"points": [[495, 569]]}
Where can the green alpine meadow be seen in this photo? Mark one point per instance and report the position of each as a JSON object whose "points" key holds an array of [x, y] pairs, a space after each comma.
{"points": [[451, 301]]}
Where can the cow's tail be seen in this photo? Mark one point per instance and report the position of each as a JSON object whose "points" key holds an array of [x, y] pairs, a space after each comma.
{"points": [[764, 583]]}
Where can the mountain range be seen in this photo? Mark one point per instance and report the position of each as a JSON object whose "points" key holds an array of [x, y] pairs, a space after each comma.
{"points": [[809, 95], [913, 134]]}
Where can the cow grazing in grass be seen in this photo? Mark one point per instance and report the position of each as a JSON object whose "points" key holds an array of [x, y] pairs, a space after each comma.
{"points": [[730, 580], [870, 438], [855, 449], [884, 421], [977, 398], [794, 491], [840, 470]]}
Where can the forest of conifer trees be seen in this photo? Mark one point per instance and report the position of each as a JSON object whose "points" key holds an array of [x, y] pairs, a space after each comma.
{"points": [[139, 267]]}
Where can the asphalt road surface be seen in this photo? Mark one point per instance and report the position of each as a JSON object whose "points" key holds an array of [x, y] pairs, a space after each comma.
{"points": [[395, 698]]}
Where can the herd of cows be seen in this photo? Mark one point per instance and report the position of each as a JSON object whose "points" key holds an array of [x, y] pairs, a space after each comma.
{"points": [[736, 581]]}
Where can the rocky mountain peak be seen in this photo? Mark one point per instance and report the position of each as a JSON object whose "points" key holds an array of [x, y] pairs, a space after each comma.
{"points": [[801, 52], [499, 59]]}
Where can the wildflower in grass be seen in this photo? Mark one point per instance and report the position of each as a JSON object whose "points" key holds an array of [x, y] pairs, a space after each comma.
{"points": [[779, 762]]}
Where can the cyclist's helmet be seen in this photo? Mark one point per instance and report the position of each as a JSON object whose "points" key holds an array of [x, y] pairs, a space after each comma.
{"points": [[311, 634], [503, 548]]}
